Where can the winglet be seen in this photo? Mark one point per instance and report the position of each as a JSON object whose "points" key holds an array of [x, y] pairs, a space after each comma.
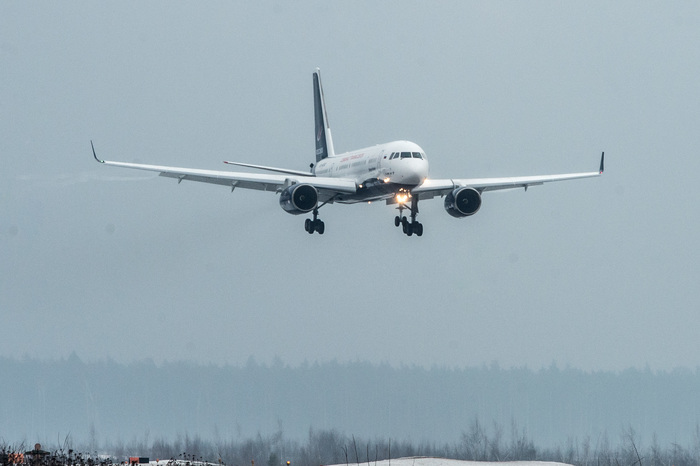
{"points": [[602, 159], [94, 154]]}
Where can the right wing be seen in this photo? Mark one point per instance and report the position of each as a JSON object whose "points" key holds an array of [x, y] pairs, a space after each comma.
{"points": [[327, 187]]}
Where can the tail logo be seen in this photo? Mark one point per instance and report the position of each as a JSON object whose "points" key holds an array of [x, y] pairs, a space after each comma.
{"points": [[320, 132]]}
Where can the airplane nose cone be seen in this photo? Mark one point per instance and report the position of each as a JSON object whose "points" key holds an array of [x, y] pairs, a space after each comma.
{"points": [[416, 173]]}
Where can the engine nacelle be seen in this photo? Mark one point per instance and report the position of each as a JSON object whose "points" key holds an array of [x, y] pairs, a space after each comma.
{"points": [[463, 202], [299, 199]]}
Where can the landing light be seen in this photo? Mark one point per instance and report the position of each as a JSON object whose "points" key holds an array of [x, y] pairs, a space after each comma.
{"points": [[401, 198], [386, 180]]}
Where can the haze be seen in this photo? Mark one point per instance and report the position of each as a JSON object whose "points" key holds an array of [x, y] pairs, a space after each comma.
{"points": [[595, 274]]}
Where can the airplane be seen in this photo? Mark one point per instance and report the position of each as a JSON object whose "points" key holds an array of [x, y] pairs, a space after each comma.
{"points": [[395, 172]]}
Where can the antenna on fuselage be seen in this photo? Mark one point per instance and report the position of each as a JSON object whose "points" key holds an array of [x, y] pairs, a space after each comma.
{"points": [[324, 141]]}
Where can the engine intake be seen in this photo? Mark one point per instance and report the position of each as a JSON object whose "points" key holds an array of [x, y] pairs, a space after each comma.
{"points": [[463, 202], [299, 199]]}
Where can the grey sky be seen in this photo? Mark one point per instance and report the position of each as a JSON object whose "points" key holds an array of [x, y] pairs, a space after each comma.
{"points": [[597, 274]]}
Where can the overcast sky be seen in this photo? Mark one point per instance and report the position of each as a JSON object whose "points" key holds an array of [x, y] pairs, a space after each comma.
{"points": [[598, 274]]}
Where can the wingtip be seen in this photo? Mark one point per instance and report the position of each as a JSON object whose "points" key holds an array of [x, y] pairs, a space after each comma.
{"points": [[602, 162], [93, 152]]}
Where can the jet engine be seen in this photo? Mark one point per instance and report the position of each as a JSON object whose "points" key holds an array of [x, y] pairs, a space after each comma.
{"points": [[463, 202], [299, 199]]}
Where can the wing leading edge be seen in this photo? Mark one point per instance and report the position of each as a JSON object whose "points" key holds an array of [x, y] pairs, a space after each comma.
{"points": [[327, 187], [441, 187]]}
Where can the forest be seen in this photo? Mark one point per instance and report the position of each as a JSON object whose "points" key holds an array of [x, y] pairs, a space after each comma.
{"points": [[350, 412]]}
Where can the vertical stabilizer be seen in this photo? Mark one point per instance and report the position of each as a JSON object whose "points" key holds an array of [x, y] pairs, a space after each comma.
{"points": [[324, 142]]}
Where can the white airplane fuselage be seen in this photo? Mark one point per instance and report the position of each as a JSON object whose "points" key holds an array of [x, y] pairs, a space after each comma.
{"points": [[380, 172]]}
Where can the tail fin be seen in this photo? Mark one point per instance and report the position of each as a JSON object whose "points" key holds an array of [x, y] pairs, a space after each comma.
{"points": [[324, 142]]}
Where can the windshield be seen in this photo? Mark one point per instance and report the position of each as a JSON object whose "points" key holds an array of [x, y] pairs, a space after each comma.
{"points": [[406, 155]]}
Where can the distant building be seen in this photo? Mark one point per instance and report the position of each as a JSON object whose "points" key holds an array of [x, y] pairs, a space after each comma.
{"points": [[136, 460], [35, 456]]}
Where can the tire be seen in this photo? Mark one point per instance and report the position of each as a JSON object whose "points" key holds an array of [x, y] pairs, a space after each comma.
{"points": [[397, 221], [418, 228], [320, 227]]}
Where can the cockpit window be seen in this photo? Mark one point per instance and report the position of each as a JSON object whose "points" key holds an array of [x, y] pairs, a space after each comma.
{"points": [[406, 155]]}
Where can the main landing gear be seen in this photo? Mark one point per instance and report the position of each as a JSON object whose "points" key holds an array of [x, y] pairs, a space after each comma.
{"points": [[315, 225], [409, 227]]}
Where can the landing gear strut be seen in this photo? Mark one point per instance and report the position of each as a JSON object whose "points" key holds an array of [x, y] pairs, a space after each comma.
{"points": [[413, 226], [315, 225]]}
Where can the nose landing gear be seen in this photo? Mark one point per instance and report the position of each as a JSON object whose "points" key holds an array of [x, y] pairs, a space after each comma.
{"points": [[409, 228], [412, 226]]}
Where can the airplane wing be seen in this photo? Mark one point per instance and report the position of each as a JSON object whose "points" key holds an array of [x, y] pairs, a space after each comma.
{"points": [[271, 169], [327, 187], [431, 188]]}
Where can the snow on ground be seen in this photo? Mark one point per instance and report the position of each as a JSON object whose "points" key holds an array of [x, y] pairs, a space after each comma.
{"points": [[160, 462], [424, 461], [412, 461]]}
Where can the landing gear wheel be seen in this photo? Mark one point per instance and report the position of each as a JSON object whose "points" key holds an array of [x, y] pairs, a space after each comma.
{"points": [[310, 225], [397, 221], [315, 224], [418, 229]]}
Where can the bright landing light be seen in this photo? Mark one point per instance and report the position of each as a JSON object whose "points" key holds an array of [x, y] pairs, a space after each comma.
{"points": [[401, 198]]}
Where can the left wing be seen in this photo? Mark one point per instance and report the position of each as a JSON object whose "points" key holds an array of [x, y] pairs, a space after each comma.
{"points": [[431, 188], [327, 187]]}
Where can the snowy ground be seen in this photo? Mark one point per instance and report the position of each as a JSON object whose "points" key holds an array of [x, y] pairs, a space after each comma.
{"points": [[413, 461], [423, 461]]}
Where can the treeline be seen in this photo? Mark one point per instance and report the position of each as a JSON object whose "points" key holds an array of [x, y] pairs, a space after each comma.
{"points": [[104, 399], [331, 447]]}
